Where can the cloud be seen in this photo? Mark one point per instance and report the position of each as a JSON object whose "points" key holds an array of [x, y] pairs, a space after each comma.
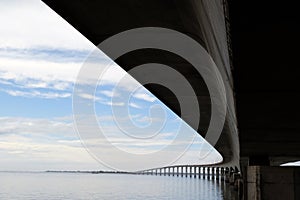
{"points": [[110, 103], [37, 127], [37, 94], [54, 140], [45, 74], [54, 53], [110, 93], [28, 74], [42, 144], [30, 23], [90, 97], [33, 61], [49, 57], [144, 96], [134, 105]]}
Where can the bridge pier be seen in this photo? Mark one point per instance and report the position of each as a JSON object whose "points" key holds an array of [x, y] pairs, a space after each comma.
{"points": [[203, 172], [222, 174], [227, 174], [181, 171], [186, 171], [208, 173], [234, 174], [173, 171], [267, 182], [217, 174], [213, 173]]}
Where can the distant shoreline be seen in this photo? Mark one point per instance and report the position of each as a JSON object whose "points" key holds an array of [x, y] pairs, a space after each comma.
{"points": [[70, 171], [89, 172]]}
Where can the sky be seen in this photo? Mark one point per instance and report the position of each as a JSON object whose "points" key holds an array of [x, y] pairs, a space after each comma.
{"points": [[40, 58]]}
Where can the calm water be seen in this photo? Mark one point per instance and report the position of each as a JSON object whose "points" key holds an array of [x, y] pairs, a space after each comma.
{"points": [[53, 186]]}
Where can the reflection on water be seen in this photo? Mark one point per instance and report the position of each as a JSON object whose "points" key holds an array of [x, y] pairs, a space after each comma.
{"points": [[54, 186]]}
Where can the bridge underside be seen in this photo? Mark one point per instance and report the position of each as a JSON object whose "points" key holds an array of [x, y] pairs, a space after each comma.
{"points": [[204, 21], [266, 40]]}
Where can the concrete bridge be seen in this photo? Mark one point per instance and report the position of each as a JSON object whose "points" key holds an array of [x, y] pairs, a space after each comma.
{"points": [[227, 174], [255, 47]]}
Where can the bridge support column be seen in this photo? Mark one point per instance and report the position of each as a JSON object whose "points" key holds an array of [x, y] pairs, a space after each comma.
{"points": [[233, 176], [227, 174], [173, 171], [217, 173], [181, 171], [213, 173], [208, 173], [203, 172], [186, 171], [199, 172], [265, 182], [222, 174], [195, 172]]}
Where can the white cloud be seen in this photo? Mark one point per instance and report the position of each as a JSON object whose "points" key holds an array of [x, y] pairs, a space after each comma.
{"points": [[37, 94], [110, 93], [110, 103], [47, 128], [54, 140], [30, 26], [38, 74], [41, 74], [90, 97], [30, 23], [134, 105], [144, 96]]}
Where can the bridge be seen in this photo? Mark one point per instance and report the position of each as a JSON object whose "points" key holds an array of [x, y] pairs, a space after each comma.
{"points": [[255, 48]]}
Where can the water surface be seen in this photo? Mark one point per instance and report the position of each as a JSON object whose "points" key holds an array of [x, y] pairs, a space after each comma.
{"points": [[80, 186]]}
